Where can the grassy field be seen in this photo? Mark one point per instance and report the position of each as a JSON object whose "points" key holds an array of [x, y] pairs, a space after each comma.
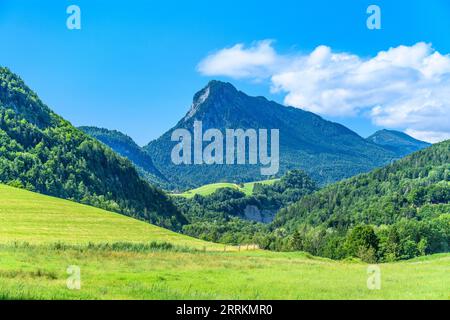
{"points": [[32, 266], [209, 189], [37, 219], [40, 273]]}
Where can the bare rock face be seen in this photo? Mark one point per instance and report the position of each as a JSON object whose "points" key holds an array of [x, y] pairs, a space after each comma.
{"points": [[253, 213]]}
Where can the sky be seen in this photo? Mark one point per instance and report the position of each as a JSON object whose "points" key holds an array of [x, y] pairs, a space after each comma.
{"points": [[135, 65]]}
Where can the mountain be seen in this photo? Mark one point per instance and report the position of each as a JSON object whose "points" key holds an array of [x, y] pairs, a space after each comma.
{"points": [[327, 151], [408, 201], [42, 152], [126, 147], [398, 142]]}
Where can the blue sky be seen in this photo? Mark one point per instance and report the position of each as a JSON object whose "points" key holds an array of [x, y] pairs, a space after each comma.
{"points": [[133, 65]]}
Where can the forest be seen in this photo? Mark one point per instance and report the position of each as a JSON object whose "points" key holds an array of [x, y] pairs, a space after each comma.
{"points": [[393, 213], [42, 152]]}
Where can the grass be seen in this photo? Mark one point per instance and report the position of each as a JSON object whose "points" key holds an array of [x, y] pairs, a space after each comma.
{"points": [[40, 273], [209, 189], [121, 258], [37, 219]]}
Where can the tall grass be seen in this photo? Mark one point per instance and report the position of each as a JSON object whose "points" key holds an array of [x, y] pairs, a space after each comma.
{"points": [[145, 247]]}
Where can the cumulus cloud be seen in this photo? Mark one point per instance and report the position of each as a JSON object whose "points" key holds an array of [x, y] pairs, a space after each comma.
{"points": [[406, 87], [241, 62]]}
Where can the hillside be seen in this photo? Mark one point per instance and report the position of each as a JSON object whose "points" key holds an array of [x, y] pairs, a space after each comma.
{"points": [[42, 152], [399, 142], [126, 147], [408, 202], [385, 195], [38, 219], [209, 189], [325, 150]]}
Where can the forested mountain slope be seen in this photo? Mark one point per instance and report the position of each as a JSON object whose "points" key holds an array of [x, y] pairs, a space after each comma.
{"points": [[411, 187], [126, 147], [42, 152], [408, 202]]}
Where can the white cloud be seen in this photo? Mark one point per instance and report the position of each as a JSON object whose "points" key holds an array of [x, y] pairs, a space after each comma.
{"points": [[430, 136], [407, 87], [241, 62]]}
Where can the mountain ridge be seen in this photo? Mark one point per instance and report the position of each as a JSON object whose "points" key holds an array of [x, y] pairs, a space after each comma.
{"points": [[328, 151]]}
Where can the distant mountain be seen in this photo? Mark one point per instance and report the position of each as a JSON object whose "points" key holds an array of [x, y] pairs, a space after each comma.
{"points": [[126, 147], [327, 151], [42, 152], [398, 142]]}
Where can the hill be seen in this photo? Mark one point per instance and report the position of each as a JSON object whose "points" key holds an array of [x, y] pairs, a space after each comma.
{"points": [[327, 151], [38, 219], [408, 203], [399, 142], [126, 147], [42, 152]]}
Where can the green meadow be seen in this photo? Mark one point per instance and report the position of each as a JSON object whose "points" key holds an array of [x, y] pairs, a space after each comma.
{"points": [[121, 258], [37, 219], [209, 189], [40, 273]]}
